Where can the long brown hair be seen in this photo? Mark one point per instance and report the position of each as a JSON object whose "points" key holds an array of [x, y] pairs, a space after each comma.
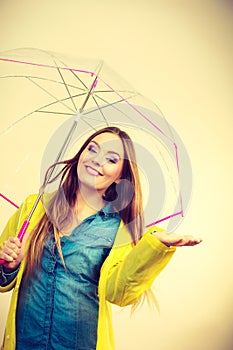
{"points": [[130, 211]]}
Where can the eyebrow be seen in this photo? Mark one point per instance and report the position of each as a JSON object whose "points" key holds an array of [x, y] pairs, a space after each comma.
{"points": [[96, 143]]}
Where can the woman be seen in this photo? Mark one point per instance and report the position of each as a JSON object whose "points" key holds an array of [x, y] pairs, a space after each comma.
{"points": [[87, 249]]}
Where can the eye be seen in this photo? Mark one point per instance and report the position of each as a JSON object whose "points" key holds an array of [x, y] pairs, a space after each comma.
{"points": [[92, 148], [112, 159]]}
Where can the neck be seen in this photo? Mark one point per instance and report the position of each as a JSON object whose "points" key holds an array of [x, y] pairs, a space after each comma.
{"points": [[88, 203]]}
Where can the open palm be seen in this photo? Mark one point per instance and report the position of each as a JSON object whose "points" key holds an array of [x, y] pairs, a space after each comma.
{"points": [[173, 239]]}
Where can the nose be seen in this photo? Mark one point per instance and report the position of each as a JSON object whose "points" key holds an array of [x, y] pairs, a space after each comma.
{"points": [[99, 159]]}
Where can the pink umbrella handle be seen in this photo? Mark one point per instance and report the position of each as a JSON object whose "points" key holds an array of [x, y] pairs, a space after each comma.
{"points": [[23, 230], [20, 236]]}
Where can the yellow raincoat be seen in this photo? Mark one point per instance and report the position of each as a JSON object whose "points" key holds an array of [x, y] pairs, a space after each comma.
{"points": [[125, 275]]}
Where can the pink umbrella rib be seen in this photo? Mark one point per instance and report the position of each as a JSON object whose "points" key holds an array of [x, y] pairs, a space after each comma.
{"points": [[166, 218], [47, 66], [9, 201]]}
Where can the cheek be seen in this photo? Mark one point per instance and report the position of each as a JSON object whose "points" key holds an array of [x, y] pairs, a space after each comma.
{"points": [[80, 162], [85, 156], [113, 172]]}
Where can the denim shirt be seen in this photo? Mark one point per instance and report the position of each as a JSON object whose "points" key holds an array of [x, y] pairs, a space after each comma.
{"points": [[58, 309]]}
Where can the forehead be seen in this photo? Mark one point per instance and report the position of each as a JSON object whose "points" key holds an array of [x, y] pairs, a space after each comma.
{"points": [[109, 142]]}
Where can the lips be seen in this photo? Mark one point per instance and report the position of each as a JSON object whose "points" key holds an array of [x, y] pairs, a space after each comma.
{"points": [[92, 171]]}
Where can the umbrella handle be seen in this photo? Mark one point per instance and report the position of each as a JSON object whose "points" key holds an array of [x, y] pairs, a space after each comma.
{"points": [[20, 236], [23, 230]]}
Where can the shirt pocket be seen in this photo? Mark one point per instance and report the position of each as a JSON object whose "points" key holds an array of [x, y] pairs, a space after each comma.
{"points": [[102, 239]]}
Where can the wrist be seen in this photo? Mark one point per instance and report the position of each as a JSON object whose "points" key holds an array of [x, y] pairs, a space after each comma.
{"points": [[8, 270], [160, 237]]}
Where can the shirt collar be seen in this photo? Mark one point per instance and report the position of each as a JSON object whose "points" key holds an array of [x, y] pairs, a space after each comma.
{"points": [[108, 210]]}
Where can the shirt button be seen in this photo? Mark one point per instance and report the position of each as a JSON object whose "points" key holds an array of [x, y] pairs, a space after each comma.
{"points": [[8, 337]]}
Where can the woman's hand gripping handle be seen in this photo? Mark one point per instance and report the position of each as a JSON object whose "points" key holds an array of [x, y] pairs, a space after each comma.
{"points": [[12, 251]]}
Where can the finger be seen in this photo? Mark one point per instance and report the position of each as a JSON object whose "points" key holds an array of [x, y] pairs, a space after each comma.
{"points": [[180, 243], [12, 244], [14, 241], [11, 247], [192, 242], [6, 257], [11, 252]]}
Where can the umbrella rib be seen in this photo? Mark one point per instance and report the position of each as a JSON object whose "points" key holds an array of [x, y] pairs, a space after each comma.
{"points": [[17, 122], [68, 91], [77, 77], [63, 99], [91, 126], [80, 80], [105, 106], [38, 111], [51, 112], [112, 105], [41, 111], [100, 110], [41, 78], [111, 91], [71, 70], [119, 101], [51, 95], [92, 87]]}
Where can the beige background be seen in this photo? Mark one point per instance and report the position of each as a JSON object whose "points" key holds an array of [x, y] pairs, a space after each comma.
{"points": [[179, 54]]}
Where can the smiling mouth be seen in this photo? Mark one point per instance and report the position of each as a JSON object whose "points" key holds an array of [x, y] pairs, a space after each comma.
{"points": [[92, 171]]}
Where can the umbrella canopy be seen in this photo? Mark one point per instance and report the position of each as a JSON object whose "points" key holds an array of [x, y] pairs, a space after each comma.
{"points": [[52, 102]]}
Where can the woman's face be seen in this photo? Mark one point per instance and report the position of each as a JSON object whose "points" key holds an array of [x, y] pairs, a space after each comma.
{"points": [[101, 162]]}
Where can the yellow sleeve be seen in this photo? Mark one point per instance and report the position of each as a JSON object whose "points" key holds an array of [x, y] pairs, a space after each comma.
{"points": [[132, 276], [15, 222], [11, 228]]}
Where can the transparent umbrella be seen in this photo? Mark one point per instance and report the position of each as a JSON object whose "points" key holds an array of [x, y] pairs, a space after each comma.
{"points": [[51, 102]]}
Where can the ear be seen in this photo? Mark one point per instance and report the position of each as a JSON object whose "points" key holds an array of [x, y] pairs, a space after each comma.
{"points": [[118, 181]]}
